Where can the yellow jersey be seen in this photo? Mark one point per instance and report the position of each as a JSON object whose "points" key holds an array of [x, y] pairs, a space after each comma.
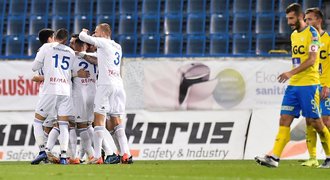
{"points": [[302, 43], [324, 59]]}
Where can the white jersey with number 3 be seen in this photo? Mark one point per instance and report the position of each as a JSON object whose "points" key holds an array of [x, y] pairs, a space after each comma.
{"points": [[57, 60], [109, 55]]}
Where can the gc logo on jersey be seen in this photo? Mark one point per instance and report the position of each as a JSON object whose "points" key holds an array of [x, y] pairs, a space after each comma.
{"points": [[298, 49]]}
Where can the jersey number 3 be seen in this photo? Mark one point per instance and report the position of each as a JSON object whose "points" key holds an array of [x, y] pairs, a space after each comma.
{"points": [[64, 63]]}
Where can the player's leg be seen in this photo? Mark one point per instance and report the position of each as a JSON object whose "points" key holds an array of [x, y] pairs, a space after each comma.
{"points": [[73, 142], [289, 110], [311, 139], [52, 138]]}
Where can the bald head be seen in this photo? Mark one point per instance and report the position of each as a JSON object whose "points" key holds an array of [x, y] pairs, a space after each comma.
{"points": [[103, 30]]}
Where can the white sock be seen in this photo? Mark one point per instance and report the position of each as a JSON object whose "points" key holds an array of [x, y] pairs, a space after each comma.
{"points": [[98, 138], [86, 143], [52, 138], [73, 142], [106, 143], [90, 131], [122, 139], [112, 132], [45, 137], [38, 132], [64, 137]]}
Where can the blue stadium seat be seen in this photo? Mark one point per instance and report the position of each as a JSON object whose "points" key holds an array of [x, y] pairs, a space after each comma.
{"points": [[2, 7], [61, 22], [172, 24], [265, 23], [81, 22], [17, 7], [16, 25], [195, 23], [128, 7], [219, 23], [2, 17], [127, 25], [282, 4], [128, 44], [242, 23], [106, 7], [150, 45], [264, 43], [173, 45], [219, 6], [106, 19], [61, 8], [14, 46], [33, 45], [283, 27], [36, 23], [150, 24], [196, 6], [39, 7], [263, 6], [219, 44], [195, 45], [173, 6], [151, 7], [242, 6], [241, 44], [311, 3], [83, 7]]}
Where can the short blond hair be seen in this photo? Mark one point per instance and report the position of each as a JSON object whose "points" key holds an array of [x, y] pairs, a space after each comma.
{"points": [[105, 27]]}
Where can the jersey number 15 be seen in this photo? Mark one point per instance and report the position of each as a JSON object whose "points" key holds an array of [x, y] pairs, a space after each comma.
{"points": [[64, 63]]}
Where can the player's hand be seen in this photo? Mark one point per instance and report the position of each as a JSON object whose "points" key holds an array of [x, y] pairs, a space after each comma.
{"points": [[84, 30], [282, 78], [38, 78], [83, 74], [325, 92]]}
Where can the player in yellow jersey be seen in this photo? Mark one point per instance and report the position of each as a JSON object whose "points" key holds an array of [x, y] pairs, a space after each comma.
{"points": [[314, 17], [302, 93]]}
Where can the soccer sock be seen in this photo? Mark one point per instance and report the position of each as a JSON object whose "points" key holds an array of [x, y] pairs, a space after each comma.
{"points": [[90, 131], [52, 137], [112, 132], [45, 137], [325, 140], [73, 142], [122, 139], [98, 138], [64, 137], [106, 144], [86, 143], [311, 139], [38, 132], [282, 138]]}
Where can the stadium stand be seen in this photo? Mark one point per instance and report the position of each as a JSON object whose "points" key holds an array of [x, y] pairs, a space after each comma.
{"points": [[174, 27]]}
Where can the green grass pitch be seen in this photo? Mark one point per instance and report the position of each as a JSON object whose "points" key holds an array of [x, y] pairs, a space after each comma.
{"points": [[226, 169]]}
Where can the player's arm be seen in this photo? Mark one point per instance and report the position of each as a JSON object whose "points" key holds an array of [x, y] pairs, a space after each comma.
{"points": [[38, 62], [88, 58], [89, 39], [312, 56], [38, 78]]}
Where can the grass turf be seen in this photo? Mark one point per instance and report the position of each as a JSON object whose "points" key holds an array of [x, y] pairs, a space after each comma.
{"points": [[226, 169]]}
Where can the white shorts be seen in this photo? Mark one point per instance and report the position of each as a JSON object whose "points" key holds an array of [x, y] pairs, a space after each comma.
{"points": [[110, 99], [50, 121], [50, 104], [83, 108]]}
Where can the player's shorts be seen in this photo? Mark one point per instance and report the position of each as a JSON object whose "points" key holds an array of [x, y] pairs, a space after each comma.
{"points": [[50, 121], [302, 98], [325, 105], [54, 104], [83, 108], [110, 99]]}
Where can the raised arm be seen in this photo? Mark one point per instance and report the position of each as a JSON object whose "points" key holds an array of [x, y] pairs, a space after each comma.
{"points": [[89, 39]]}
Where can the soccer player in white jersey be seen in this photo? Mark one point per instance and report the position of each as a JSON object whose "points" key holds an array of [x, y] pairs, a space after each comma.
{"points": [[56, 60], [110, 94]]}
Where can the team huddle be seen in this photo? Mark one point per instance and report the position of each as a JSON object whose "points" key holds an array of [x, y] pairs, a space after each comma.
{"points": [[308, 90], [81, 93]]}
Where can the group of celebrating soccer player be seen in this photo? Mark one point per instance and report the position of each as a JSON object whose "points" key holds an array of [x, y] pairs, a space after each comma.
{"points": [[81, 93], [308, 90]]}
